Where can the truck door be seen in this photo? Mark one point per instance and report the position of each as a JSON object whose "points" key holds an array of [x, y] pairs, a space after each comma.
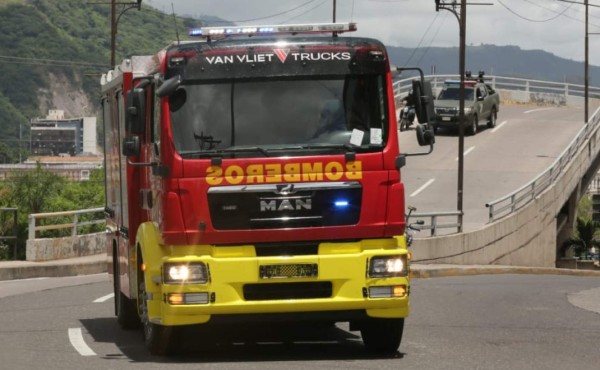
{"points": [[484, 108]]}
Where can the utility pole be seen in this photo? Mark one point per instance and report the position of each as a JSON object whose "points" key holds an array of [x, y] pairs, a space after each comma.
{"points": [[587, 64], [586, 56], [334, 9], [114, 21], [461, 16]]}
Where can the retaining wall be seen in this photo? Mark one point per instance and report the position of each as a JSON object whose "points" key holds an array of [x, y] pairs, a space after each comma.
{"points": [[67, 247]]}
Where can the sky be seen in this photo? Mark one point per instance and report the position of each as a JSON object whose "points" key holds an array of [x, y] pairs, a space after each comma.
{"points": [[551, 25]]}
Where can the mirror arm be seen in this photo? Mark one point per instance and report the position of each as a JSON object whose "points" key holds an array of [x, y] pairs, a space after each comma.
{"points": [[157, 168], [422, 153], [141, 164]]}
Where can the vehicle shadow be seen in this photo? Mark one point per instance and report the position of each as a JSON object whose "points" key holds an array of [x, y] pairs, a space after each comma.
{"points": [[239, 343]]}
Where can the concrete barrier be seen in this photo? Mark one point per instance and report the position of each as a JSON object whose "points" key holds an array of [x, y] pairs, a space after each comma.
{"points": [[66, 247]]}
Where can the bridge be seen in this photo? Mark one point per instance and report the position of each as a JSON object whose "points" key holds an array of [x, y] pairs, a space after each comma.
{"points": [[523, 180]]}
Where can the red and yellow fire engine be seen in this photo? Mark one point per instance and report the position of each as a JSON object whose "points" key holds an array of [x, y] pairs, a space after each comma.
{"points": [[254, 175]]}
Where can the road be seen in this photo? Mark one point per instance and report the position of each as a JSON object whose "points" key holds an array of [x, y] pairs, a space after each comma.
{"points": [[525, 142], [487, 321]]}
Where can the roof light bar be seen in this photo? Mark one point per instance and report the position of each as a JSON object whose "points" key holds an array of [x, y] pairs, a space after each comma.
{"points": [[273, 30]]}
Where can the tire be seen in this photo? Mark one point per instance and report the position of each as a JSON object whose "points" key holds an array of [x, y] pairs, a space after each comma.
{"points": [[125, 308], [493, 117], [157, 338], [472, 129], [403, 124], [382, 335]]}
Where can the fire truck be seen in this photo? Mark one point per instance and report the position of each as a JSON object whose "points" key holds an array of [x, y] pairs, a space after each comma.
{"points": [[252, 175]]}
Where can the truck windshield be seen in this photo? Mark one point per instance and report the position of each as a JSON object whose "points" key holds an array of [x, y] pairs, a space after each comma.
{"points": [[453, 93], [256, 118]]}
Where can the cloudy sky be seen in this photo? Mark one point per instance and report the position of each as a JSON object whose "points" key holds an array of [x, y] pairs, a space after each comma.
{"points": [[551, 25]]}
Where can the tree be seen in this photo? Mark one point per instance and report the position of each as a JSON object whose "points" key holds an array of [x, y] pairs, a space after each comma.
{"points": [[586, 232]]}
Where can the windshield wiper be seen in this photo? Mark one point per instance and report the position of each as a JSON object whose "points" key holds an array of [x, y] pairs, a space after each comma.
{"points": [[220, 152], [348, 147]]}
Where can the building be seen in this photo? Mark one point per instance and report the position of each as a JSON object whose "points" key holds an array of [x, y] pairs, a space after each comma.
{"points": [[56, 135]]}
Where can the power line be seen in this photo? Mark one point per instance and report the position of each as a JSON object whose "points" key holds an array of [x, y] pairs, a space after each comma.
{"points": [[307, 11], [49, 62], [422, 38], [432, 39], [272, 15], [535, 20]]}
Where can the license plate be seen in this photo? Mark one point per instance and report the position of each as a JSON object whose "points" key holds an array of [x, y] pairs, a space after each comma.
{"points": [[288, 271], [446, 118]]}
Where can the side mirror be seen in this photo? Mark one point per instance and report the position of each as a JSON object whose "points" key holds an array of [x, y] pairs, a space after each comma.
{"points": [[425, 135], [168, 87], [135, 114], [423, 101], [131, 146]]}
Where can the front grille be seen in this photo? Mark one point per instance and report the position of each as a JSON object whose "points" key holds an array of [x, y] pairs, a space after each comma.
{"points": [[270, 292], [285, 206], [446, 110]]}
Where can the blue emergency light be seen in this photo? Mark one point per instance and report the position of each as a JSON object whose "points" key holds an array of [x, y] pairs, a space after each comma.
{"points": [[341, 204]]}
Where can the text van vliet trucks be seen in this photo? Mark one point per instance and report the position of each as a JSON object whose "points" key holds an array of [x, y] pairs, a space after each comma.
{"points": [[256, 177]]}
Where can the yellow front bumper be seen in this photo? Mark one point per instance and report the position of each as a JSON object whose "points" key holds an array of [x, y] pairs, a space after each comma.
{"points": [[342, 267]]}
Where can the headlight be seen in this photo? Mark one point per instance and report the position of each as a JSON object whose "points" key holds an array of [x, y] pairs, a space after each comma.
{"points": [[388, 266], [468, 109], [185, 273]]}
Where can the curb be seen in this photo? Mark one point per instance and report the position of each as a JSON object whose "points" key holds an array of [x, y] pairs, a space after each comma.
{"points": [[429, 272], [28, 272]]}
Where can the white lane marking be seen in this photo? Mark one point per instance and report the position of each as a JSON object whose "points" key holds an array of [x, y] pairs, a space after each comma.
{"points": [[105, 298], [536, 110], [21, 280], [466, 152], [76, 339], [422, 187], [498, 126]]}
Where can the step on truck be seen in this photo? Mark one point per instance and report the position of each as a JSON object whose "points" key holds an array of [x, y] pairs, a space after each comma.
{"points": [[252, 176]]}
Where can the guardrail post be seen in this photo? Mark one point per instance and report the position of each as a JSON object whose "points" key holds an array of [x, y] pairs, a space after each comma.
{"points": [[527, 87], [31, 227], [566, 92], [74, 230], [433, 225], [494, 82]]}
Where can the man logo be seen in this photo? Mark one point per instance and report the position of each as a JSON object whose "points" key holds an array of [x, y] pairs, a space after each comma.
{"points": [[285, 189], [285, 205]]}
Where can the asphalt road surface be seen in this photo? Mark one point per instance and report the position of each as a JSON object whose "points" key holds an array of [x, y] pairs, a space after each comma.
{"points": [[525, 142], [477, 322]]}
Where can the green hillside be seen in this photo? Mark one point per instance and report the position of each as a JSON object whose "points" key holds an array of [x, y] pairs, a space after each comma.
{"points": [[48, 42]]}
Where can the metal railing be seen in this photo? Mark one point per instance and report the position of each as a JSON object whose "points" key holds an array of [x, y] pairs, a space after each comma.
{"points": [[74, 223], [510, 203], [435, 221], [403, 86]]}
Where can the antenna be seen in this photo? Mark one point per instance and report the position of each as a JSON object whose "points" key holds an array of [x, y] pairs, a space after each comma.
{"points": [[175, 23]]}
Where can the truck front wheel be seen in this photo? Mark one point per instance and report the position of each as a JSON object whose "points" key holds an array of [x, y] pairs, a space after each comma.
{"points": [[125, 308], [382, 335], [158, 338]]}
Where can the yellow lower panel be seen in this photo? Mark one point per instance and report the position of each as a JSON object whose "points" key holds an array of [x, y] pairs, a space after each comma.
{"points": [[343, 265]]}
